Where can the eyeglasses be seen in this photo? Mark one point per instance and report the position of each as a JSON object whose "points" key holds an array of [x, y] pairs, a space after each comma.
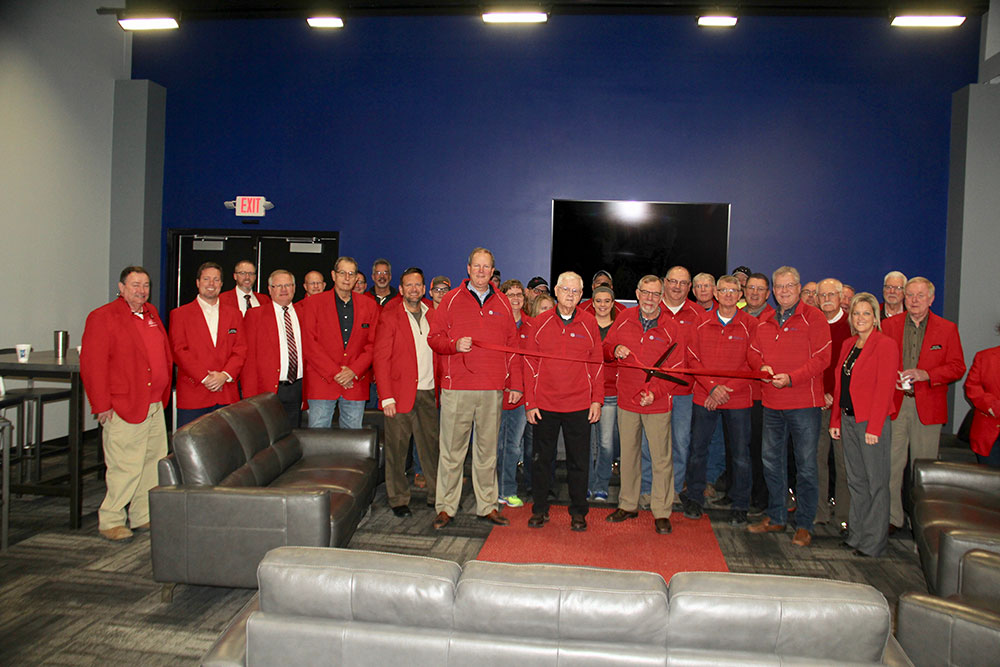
{"points": [[827, 295], [568, 290], [673, 282], [756, 288], [347, 274], [380, 273], [650, 295], [785, 286], [440, 290], [729, 290], [892, 288], [246, 273], [283, 286], [515, 295], [315, 284]]}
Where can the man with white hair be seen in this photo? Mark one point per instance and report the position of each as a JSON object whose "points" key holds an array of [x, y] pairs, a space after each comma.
{"points": [[932, 356], [703, 290], [563, 395], [893, 302]]}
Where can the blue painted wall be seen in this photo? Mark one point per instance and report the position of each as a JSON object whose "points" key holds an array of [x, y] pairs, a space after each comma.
{"points": [[419, 138]]}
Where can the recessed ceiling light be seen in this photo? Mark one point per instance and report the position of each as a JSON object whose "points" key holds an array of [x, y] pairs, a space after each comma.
{"points": [[325, 22], [515, 17], [717, 21], [927, 21], [149, 23]]}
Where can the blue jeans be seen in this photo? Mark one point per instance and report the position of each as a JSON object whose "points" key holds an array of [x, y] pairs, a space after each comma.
{"points": [[716, 452], [512, 423], [352, 413], [680, 434], [993, 460], [803, 425], [704, 423], [602, 446]]}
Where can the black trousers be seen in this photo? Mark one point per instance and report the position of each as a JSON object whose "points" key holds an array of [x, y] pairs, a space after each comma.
{"points": [[290, 396], [576, 436]]}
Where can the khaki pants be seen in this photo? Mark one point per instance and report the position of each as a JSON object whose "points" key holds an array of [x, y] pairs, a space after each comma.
{"points": [[131, 452], [460, 409], [920, 440], [422, 423], [657, 427]]}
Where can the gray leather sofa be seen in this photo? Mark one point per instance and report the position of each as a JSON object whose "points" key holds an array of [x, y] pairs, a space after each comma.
{"points": [[241, 482], [962, 629], [345, 607], [956, 508]]}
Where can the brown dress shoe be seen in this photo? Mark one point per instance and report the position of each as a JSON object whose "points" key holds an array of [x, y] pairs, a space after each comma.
{"points": [[538, 520], [803, 538], [620, 515], [663, 526], [141, 529], [441, 520], [577, 523], [117, 534], [495, 518], [765, 526]]}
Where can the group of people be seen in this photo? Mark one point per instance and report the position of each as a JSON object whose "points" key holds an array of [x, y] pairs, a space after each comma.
{"points": [[701, 377]]}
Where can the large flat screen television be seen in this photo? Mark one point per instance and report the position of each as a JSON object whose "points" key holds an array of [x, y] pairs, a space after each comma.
{"points": [[630, 239]]}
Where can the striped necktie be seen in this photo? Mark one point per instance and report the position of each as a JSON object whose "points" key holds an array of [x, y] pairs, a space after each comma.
{"points": [[293, 355]]}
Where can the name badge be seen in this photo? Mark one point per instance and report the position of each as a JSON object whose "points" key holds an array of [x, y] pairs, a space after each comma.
{"points": [[364, 326], [232, 331], [935, 347]]}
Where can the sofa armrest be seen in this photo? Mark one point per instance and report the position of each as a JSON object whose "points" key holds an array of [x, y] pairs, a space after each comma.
{"points": [[230, 649], [952, 545], [218, 535], [362, 442], [934, 631], [979, 579], [983, 479]]}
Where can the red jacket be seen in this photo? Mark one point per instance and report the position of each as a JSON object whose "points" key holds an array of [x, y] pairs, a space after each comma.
{"points": [[230, 298], [839, 332], [724, 348], [196, 355], [395, 355], [556, 385], [757, 387], [941, 356], [262, 370], [114, 363], [873, 382], [646, 349], [982, 388], [799, 347], [523, 333], [460, 315], [325, 353], [687, 318]]}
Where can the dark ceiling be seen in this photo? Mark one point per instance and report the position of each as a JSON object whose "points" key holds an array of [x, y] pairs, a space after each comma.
{"points": [[232, 9]]}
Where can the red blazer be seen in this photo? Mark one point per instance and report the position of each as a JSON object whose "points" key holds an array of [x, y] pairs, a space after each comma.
{"points": [[230, 298], [195, 355], [325, 353], [941, 356], [557, 385], [262, 370], [799, 347], [114, 365], [395, 355], [982, 388], [873, 382]]}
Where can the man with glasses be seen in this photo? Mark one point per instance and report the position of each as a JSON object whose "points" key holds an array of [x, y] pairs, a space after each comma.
{"points": [[275, 358], [473, 378], [793, 347], [687, 315], [641, 337], [536, 286], [893, 302], [932, 357], [563, 395], [809, 291], [440, 286], [703, 291], [340, 334], [756, 292], [243, 296], [314, 283], [381, 290]]}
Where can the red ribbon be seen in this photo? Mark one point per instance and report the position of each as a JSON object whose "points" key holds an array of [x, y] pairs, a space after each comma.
{"points": [[713, 372]]}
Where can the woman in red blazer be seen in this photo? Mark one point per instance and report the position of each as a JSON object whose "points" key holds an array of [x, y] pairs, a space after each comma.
{"points": [[982, 388], [862, 409]]}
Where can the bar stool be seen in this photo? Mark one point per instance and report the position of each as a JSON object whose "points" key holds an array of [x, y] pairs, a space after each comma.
{"points": [[32, 401]]}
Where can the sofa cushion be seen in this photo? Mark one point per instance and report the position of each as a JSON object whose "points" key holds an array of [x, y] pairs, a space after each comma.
{"points": [[361, 586], [777, 615], [562, 602], [207, 450], [273, 415], [347, 479], [288, 449], [248, 425]]}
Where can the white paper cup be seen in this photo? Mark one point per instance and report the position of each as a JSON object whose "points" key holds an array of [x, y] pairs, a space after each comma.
{"points": [[23, 352]]}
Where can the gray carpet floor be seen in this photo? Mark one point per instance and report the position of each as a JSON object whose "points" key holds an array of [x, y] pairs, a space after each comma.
{"points": [[71, 598]]}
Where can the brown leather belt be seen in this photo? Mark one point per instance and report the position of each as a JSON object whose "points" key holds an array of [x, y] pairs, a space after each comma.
{"points": [[908, 392]]}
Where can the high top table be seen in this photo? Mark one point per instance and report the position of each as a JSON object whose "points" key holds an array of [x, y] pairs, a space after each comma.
{"points": [[44, 365]]}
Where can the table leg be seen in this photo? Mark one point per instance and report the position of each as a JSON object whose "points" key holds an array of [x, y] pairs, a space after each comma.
{"points": [[75, 436]]}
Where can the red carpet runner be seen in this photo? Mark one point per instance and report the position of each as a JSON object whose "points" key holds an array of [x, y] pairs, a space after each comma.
{"points": [[630, 545]]}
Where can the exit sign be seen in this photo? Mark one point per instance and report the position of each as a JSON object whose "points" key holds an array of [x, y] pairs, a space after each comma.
{"points": [[250, 206]]}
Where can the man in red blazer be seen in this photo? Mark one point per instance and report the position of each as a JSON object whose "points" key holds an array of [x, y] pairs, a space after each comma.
{"points": [[125, 363], [982, 389], [209, 348], [404, 370], [243, 296], [274, 338], [340, 335], [932, 358]]}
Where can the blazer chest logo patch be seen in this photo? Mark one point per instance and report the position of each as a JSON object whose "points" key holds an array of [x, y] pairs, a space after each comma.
{"points": [[935, 347], [232, 331]]}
